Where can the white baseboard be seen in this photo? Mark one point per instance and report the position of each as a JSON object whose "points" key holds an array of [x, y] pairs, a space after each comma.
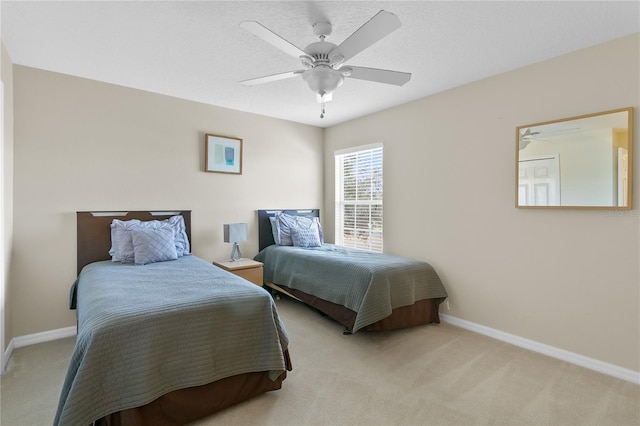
{"points": [[45, 336], [574, 358], [7, 355], [32, 339]]}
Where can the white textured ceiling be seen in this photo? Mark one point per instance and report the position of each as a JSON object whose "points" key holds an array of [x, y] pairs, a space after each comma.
{"points": [[197, 50]]}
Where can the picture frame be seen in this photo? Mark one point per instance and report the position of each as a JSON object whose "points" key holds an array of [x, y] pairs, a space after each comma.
{"points": [[223, 154]]}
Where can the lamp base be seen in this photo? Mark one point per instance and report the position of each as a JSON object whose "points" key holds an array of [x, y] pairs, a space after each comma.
{"points": [[235, 253]]}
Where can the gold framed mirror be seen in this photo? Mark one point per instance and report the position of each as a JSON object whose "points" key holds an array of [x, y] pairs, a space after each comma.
{"points": [[577, 162]]}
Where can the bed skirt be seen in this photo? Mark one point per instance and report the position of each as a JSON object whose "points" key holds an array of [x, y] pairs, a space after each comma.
{"points": [[421, 312], [188, 405]]}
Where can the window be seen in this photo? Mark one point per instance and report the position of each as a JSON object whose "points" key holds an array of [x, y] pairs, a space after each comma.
{"points": [[359, 197]]}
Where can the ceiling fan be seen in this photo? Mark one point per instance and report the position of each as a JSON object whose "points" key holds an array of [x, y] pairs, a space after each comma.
{"points": [[323, 61]]}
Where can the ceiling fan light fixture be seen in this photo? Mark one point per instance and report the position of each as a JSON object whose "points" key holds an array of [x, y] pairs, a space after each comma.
{"points": [[323, 80]]}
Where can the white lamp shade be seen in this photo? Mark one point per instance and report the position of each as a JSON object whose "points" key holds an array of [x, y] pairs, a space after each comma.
{"points": [[235, 232], [323, 80]]}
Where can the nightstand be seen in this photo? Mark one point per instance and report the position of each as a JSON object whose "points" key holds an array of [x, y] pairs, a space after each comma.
{"points": [[248, 269]]}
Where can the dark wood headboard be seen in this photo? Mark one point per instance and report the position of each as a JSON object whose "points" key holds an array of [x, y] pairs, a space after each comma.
{"points": [[94, 231], [265, 234]]}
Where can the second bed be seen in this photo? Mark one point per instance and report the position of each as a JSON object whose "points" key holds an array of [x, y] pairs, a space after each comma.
{"points": [[359, 289]]}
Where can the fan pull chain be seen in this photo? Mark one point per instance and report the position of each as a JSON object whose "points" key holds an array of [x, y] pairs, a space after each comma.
{"points": [[322, 110]]}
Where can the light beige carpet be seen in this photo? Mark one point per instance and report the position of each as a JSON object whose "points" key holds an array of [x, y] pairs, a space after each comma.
{"points": [[428, 375]]}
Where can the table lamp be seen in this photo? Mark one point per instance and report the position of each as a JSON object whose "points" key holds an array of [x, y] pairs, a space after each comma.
{"points": [[234, 233]]}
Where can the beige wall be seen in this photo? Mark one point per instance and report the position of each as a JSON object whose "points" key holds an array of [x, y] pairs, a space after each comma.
{"points": [[86, 145], [569, 279], [565, 278], [6, 75]]}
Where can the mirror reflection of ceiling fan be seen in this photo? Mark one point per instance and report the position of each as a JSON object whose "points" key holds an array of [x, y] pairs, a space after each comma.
{"points": [[528, 135], [322, 61]]}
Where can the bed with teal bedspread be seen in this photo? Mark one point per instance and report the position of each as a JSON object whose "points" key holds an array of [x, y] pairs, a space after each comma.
{"points": [[359, 289], [144, 331], [371, 286]]}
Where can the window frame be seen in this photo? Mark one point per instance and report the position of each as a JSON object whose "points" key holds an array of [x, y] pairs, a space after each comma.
{"points": [[374, 240]]}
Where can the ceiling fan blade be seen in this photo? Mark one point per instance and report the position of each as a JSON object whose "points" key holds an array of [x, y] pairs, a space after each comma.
{"points": [[381, 76], [270, 78], [272, 38], [378, 27]]}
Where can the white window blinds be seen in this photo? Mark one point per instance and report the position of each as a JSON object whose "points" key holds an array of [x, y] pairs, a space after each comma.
{"points": [[359, 198]]}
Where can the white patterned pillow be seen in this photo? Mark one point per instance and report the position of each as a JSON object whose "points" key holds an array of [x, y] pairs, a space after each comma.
{"points": [[122, 244], [274, 230], [316, 221], [305, 237], [153, 245], [284, 222], [182, 241]]}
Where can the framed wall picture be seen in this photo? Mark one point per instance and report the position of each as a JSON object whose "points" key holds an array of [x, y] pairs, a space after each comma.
{"points": [[223, 154]]}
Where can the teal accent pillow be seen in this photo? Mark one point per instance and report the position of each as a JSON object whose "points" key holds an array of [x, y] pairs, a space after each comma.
{"points": [[153, 245]]}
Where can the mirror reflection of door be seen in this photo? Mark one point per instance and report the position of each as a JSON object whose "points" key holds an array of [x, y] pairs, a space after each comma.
{"points": [[597, 159], [539, 181], [623, 173]]}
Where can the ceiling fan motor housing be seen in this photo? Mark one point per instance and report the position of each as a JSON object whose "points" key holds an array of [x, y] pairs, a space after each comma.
{"points": [[320, 51]]}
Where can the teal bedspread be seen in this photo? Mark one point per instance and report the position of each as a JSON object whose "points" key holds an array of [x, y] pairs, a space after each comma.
{"points": [[370, 284], [144, 331]]}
